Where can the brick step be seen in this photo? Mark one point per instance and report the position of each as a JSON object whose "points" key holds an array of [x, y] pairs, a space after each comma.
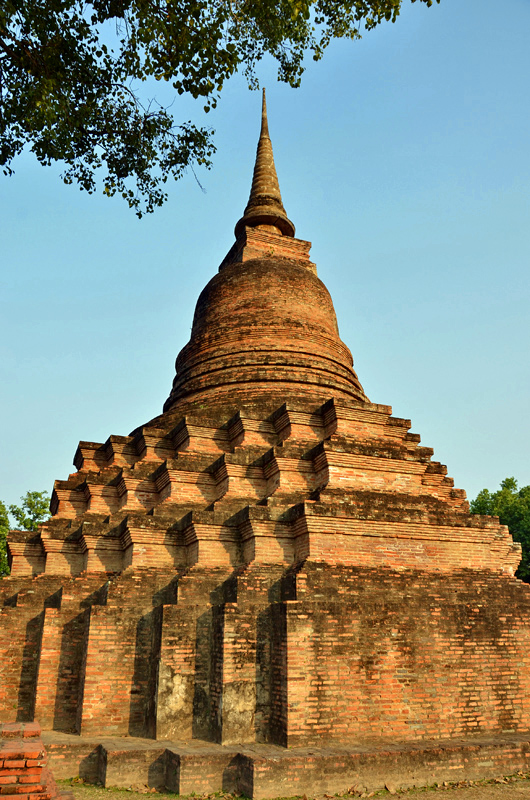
{"points": [[97, 487], [44, 630], [364, 420], [24, 773], [213, 531], [265, 771], [360, 441], [379, 447], [190, 434]]}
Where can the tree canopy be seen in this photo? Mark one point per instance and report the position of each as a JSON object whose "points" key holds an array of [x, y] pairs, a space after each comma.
{"points": [[33, 510], [512, 506], [71, 74]]}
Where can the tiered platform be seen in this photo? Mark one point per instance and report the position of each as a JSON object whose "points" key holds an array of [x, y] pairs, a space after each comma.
{"points": [[255, 488]]}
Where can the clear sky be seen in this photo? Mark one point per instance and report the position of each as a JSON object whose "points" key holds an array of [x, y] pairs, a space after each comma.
{"points": [[404, 158]]}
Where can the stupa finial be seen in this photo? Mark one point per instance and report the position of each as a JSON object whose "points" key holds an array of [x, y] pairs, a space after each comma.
{"points": [[264, 120], [265, 205]]}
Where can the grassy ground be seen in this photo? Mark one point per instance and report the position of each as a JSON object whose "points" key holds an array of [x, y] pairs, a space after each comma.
{"points": [[513, 787]]}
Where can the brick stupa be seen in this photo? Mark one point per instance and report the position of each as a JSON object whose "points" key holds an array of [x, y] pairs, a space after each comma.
{"points": [[271, 587]]}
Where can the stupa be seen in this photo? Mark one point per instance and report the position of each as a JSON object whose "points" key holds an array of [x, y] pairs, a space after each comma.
{"points": [[272, 587]]}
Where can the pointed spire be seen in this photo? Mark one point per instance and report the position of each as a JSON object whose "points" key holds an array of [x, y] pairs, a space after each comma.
{"points": [[265, 205]]}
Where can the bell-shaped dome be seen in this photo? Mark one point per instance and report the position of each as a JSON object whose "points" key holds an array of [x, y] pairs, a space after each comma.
{"points": [[265, 324]]}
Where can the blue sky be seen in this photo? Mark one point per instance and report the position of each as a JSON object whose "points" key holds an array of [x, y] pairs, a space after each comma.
{"points": [[404, 158]]}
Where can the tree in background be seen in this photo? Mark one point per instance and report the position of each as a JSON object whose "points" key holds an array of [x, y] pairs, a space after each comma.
{"points": [[71, 72], [4, 528], [512, 506], [33, 510]]}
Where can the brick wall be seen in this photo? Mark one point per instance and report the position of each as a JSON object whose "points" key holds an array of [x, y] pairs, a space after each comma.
{"points": [[405, 656], [307, 655]]}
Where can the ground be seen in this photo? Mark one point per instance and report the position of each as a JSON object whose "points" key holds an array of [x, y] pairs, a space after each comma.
{"points": [[516, 787]]}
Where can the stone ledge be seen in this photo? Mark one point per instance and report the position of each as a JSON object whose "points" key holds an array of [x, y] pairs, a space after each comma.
{"points": [[266, 771]]}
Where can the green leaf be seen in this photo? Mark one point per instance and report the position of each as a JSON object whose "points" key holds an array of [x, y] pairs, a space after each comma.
{"points": [[512, 506], [68, 96]]}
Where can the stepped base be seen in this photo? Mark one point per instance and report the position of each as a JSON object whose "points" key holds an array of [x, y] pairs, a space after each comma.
{"points": [[267, 771]]}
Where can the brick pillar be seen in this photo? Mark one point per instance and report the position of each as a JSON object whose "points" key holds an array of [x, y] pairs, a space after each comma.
{"points": [[60, 669], [278, 668], [120, 672], [108, 674], [176, 672], [48, 668], [237, 674]]}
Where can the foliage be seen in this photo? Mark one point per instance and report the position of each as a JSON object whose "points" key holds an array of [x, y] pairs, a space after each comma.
{"points": [[512, 506], [4, 528], [71, 72], [33, 510]]}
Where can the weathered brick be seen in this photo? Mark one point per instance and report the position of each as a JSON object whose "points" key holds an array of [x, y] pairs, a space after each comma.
{"points": [[273, 559]]}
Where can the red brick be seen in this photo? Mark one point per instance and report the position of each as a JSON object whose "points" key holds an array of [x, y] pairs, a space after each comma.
{"points": [[31, 730]]}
